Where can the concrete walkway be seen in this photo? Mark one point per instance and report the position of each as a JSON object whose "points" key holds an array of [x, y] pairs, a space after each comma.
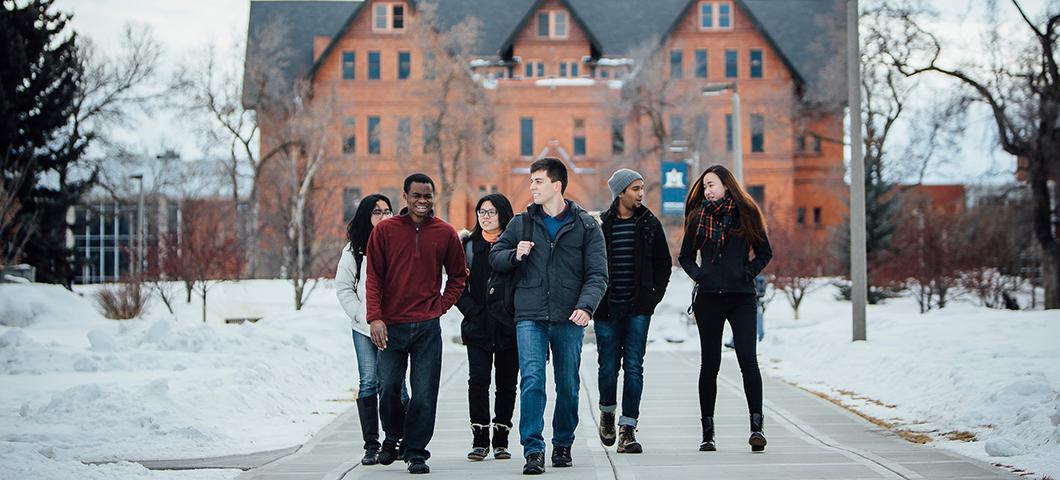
{"points": [[808, 437]]}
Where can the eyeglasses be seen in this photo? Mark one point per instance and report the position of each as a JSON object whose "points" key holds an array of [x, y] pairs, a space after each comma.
{"points": [[487, 213], [382, 213]]}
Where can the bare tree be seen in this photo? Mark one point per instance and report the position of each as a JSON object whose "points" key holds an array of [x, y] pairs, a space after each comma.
{"points": [[458, 115], [797, 270], [225, 97], [1019, 81]]}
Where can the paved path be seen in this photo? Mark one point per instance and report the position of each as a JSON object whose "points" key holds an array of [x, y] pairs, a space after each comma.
{"points": [[808, 437]]}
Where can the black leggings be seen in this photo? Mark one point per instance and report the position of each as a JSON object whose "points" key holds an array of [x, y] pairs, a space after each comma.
{"points": [[712, 309]]}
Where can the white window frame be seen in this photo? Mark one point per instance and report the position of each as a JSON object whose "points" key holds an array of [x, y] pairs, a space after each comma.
{"points": [[388, 15], [552, 14], [715, 15]]}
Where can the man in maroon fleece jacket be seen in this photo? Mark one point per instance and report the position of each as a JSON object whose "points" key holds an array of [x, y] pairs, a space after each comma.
{"points": [[406, 254]]}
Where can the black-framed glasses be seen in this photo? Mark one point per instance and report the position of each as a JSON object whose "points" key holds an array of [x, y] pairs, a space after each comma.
{"points": [[487, 213], [382, 213]]}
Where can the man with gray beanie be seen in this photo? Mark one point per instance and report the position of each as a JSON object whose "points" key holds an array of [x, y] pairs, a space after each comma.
{"points": [[638, 259]]}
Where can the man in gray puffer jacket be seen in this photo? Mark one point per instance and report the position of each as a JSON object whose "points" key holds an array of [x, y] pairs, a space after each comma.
{"points": [[561, 278]]}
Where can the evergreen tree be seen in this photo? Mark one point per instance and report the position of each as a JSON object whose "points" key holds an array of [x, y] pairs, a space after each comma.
{"points": [[40, 146], [881, 217]]}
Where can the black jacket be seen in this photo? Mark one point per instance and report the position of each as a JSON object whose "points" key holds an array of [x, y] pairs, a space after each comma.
{"points": [[557, 276], [652, 261], [734, 272], [479, 327]]}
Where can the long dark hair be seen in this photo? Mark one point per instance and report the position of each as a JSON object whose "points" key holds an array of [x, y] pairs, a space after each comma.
{"points": [[504, 212], [360, 227], [751, 226]]}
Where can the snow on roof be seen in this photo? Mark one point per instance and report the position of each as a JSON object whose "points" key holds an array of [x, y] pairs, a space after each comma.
{"points": [[565, 82]]}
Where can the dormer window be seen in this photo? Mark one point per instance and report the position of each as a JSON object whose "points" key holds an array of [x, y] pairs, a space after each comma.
{"points": [[552, 24], [715, 15], [388, 17]]}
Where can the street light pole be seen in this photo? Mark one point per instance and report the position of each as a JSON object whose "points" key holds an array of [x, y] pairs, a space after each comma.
{"points": [[737, 143], [858, 269], [140, 227]]}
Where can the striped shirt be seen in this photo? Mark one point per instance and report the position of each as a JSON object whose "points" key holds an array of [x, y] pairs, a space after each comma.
{"points": [[621, 252]]}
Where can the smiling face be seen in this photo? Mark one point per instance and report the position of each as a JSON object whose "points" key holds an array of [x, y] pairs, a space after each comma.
{"points": [[488, 218], [713, 189], [420, 199], [380, 212], [542, 188], [633, 196]]}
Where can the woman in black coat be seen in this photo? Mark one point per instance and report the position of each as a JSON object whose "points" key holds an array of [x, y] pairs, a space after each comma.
{"points": [[724, 226], [488, 335]]}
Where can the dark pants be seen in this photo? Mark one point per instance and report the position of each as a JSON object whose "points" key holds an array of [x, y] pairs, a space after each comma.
{"points": [[481, 362], [711, 312], [621, 341], [418, 348]]}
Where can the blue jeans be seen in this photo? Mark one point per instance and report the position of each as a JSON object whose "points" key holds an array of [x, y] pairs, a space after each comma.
{"points": [[534, 339], [415, 348], [368, 368], [621, 341]]}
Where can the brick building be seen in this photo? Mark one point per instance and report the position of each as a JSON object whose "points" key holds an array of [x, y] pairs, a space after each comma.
{"points": [[554, 72]]}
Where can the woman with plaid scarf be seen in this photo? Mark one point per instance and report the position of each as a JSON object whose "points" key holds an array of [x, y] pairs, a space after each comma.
{"points": [[726, 228]]}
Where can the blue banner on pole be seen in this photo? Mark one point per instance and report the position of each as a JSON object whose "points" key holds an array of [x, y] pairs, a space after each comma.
{"points": [[674, 188]]}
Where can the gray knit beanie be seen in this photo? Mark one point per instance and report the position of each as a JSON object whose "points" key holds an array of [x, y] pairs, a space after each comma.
{"points": [[621, 179]]}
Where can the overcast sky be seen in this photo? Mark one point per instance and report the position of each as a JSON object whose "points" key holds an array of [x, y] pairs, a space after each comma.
{"points": [[187, 27]]}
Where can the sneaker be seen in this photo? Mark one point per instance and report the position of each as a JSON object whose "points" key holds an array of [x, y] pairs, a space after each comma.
{"points": [[607, 428], [627, 442], [561, 457], [389, 453], [501, 453], [418, 465], [535, 464]]}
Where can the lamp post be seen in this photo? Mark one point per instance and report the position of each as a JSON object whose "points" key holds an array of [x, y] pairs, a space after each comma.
{"points": [[140, 227], [737, 140], [858, 269]]}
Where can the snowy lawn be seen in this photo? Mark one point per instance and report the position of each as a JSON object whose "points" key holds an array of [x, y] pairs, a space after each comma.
{"points": [[78, 387]]}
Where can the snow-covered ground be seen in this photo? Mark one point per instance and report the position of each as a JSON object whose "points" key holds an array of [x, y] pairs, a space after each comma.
{"points": [[78, 387]]}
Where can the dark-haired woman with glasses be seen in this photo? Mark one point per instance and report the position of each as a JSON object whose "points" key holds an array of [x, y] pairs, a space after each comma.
{"points": [[490, 340], [349, 286]]}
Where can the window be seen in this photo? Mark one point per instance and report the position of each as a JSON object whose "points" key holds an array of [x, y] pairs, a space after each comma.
{"points": [[677, 128], [388, 17], [374, 145], [526, 136], [702, 133], [732, 64], [728, 132], [605, 73], [574, 69], [373, 65], [618, 136], [715, 15], [706, 15], [701, 64], [800, 144], [351, 199], [676, 63], [758, 194], [568, 69], [489, 126], [552, 24], [404, 131], [535, 68], [758, 133], [724, 15], [800, 216], [815, 144], [756, 63], [404, 65], [349, 65], [563, 69], [430, 136], [816, 215], [349, 141], [579, 136]]}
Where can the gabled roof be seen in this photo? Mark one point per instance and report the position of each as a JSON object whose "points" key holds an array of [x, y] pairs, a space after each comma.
{"points": [[300, 22], [809, 35]]}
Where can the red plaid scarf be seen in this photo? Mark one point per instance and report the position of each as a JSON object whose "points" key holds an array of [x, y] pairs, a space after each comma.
{"points": [[713, 223]]}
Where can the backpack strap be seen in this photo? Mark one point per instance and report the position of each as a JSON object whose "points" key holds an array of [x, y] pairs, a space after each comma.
{"points": [[469, 251]]}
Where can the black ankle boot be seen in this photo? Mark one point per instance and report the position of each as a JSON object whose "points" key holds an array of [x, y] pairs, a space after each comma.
{"points": [[758, 438], [708, 435], [368, 413], [500, 441], [480, 442]]}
